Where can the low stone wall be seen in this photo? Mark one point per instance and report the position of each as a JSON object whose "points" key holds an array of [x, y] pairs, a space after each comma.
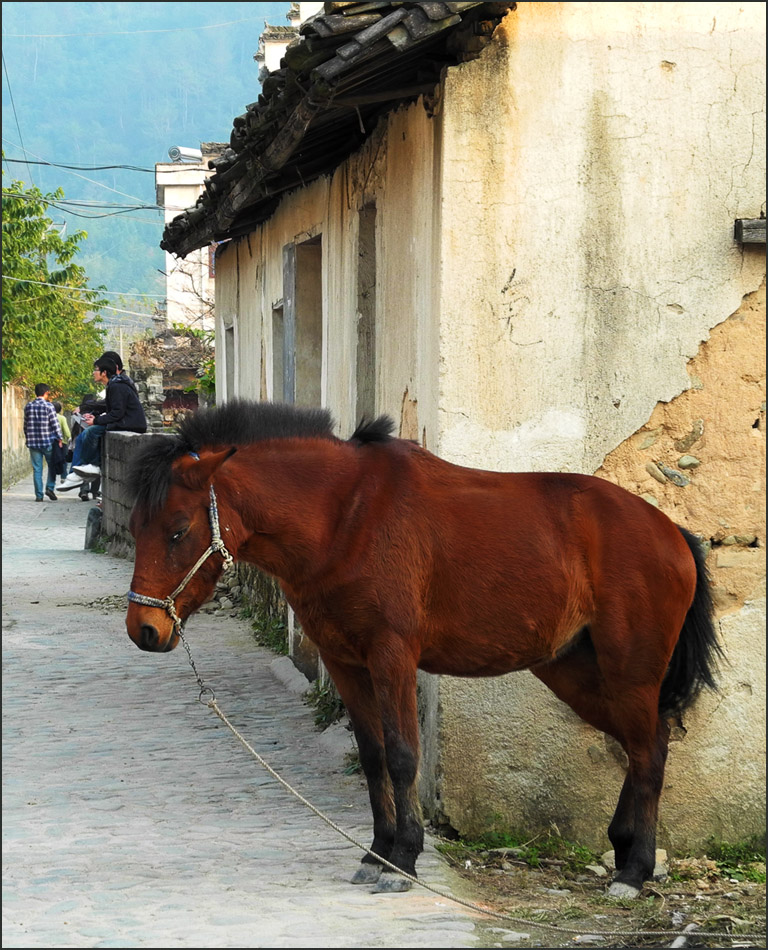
{"points": [[16, 463], [118, 448]]}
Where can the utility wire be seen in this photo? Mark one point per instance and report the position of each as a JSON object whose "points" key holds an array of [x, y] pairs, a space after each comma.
{"points": [[15, 116], [182, 167], [95, 308], [84, 177], [108, 214], [91, 217], [81, 202], [66, 205], [114, 293]]}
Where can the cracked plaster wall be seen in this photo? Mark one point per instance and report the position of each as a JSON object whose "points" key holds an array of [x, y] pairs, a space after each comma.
{"points": [[612, 145], [532, 316]]}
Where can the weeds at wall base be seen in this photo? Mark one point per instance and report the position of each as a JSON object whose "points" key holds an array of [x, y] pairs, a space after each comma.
{"points": [[327, 704], [545, 878], [268, 630]]}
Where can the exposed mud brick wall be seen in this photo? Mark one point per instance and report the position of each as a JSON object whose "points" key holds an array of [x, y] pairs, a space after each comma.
{"points": [[701, 459], [701, 456]]}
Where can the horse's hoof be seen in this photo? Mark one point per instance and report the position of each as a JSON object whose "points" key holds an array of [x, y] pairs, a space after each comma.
{"points": [[367, 874], [391, 884], [625, 891]]}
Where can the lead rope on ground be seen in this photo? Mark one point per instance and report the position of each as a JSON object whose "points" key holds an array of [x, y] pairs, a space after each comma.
{"points": [[213, 705]]}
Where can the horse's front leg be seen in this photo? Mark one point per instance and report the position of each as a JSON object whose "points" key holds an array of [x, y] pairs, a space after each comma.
{"points": [[357, 692], [393, 673]]}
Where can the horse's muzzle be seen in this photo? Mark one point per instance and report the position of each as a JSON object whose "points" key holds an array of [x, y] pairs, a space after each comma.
{"points": [[150, 629], [149, 639]]}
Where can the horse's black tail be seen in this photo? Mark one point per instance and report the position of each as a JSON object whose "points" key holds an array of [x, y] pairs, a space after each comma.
{"points": [[697, 653]]}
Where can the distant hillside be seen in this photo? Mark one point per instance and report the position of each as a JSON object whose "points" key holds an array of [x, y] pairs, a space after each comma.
{"points": [[118, 94]]}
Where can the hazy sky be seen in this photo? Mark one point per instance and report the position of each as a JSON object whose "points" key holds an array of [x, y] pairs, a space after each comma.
{"points": [[118, 84]]}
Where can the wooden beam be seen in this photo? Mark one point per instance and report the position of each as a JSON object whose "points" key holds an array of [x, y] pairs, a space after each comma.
{"points": [[749, 230]]}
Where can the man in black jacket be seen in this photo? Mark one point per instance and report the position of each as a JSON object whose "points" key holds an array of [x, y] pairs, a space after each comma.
{"points": [[123, 413]]}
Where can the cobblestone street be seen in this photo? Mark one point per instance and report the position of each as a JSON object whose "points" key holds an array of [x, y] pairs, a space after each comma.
{"points": [[131, 816]]}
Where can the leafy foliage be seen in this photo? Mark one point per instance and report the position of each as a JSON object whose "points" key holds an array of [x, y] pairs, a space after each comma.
{"points": [[50, 332], [328, 705], [742, 861]]}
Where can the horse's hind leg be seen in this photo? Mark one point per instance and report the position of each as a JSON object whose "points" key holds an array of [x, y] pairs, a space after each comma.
{"points": [[630, 715], [621, 830], [356, 690], [646, 741], [576, 679]]}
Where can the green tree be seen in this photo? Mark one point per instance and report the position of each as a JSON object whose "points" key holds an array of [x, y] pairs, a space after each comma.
{"points": [[51, 329]]}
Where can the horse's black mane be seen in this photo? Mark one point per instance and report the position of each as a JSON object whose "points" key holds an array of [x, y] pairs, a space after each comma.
{"points": [[373, 430], [237, 422]]}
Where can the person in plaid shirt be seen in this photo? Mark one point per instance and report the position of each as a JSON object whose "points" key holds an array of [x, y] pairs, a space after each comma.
{"points": [[41, 427]]}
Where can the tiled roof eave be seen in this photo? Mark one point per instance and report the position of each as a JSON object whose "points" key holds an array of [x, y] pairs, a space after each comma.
{"points": [[309, 118]]}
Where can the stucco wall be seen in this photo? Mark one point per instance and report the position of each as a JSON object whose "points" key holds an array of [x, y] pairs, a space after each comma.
{"points": [[612, 146], [552, 251], [395, 170], [618, 144]]}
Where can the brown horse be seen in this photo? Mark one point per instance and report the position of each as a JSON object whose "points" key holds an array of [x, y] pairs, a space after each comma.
{"points": [[395, 560]]}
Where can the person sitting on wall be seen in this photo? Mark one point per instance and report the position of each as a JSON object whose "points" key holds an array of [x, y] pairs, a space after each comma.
{"points": [[124, 413], [112, 355], [79, 425]]}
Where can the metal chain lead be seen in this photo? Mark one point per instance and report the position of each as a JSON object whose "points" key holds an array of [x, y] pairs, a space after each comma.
{"points": [[212, 705], [198, 677]]}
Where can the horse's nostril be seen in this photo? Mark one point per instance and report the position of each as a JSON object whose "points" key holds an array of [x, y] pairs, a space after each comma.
{"points": [[149, 637]]}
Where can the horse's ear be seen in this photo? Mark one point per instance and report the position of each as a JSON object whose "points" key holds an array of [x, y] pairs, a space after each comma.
{"points": [[197, 472]]}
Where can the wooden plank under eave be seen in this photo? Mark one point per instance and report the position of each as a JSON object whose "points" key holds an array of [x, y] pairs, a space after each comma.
{"points": [[750, 230]]}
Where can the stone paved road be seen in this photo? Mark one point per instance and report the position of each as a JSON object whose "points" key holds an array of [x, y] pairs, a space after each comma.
{"points": [[131, 816]]}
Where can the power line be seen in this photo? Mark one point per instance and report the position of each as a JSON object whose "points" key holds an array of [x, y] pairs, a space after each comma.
{"points": [[15, 116], [80, 202], [84, 177], [114, 293], [97, 168], [135, 313], [95, 308], [92, 217], [176, 29], [88, 202]]}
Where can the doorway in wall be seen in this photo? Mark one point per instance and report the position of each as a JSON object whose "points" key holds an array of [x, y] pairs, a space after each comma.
{"points": [[278, 355], [297, 364], [229, 362], [302, 322], [366, 314]]}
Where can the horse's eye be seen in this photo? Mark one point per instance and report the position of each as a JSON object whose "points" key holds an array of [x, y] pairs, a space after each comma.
{"points": [[178, 536]]}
